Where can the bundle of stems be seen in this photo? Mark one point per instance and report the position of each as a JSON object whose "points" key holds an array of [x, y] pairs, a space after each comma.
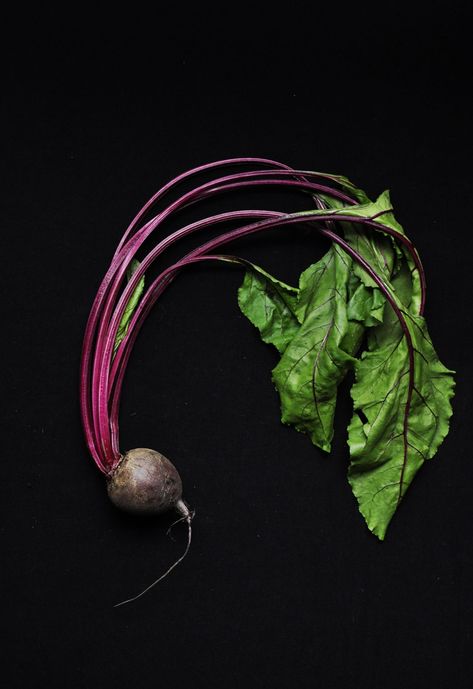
{"points": [[104, 361]]}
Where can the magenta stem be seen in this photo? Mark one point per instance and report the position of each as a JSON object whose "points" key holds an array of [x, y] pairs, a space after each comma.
{"points": [[100, 423], [99, 412], [89, 336], [191, 173], [93, 424], [163, 280], [109, 324]]}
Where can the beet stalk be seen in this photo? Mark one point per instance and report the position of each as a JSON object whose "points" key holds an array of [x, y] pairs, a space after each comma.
{"points": [[143, 481]]}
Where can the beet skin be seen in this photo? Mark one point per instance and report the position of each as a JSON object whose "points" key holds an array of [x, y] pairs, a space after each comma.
{"points": [[145, 482]]}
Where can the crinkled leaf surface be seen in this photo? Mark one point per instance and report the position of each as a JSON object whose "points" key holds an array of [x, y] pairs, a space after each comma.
{"points": [[131, 306], [383, 254], [318, 357], [401, 412], [380, 251], [270, 305], [333, 305], [402, 391]]}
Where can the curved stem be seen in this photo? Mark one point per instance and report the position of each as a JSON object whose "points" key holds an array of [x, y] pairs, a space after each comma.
{"points": [[99, 448], [98, 412], [89, 335], [163, 280], [106, 334], [192, 173], [96, 385]]}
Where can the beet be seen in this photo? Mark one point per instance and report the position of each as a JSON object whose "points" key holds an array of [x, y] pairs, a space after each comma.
{"points": [[146, 482]]}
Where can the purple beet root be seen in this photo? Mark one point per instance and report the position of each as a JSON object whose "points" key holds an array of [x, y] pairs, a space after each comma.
{"points": [[146, 482]]}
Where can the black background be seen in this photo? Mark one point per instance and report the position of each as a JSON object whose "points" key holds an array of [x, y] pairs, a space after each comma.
{"points": [[284, 585]]}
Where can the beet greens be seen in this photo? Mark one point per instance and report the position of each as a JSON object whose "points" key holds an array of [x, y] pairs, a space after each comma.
{"points": [[358, 308]]}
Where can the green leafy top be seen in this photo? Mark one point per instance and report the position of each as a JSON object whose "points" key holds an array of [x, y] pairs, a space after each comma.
{"points": [[401, 411], [131, 306], [402, 391]]}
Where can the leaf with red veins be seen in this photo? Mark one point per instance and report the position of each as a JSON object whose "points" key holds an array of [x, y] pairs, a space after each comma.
{"points": [[402, 410], [318, 357]]}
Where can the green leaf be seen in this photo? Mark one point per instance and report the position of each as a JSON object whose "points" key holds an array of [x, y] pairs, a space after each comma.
{"points": [[317, 358], [402, 391], [401, 412], [131, 306], [379, 250], [382, 212], [349, 187], [270, 305], [366, 305]]}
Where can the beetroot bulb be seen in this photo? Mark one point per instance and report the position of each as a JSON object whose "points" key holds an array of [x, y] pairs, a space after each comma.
{"points": [[145, 482], [142, 481]]}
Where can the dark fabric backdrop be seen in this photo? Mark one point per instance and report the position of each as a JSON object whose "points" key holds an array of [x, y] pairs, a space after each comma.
{"points": [[284, 586]]}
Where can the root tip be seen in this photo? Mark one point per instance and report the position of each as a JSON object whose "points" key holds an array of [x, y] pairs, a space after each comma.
{"points": [[187, 515]]}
